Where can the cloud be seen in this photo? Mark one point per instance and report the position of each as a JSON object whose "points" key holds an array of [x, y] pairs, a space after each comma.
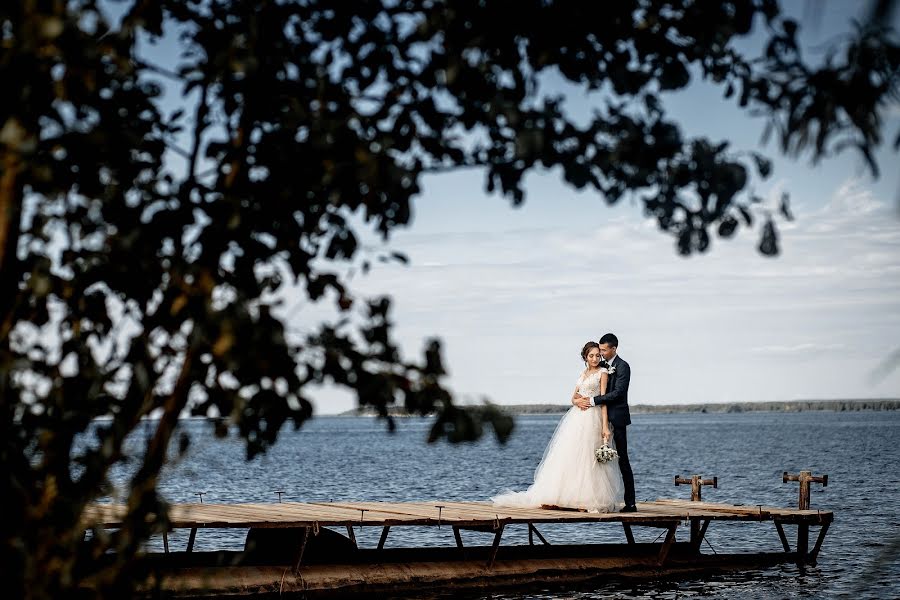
{"points": [[514, 304], [852, 201]]}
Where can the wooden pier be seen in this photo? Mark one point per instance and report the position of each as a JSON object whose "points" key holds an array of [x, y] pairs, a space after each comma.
{"points": [[295, 555]]}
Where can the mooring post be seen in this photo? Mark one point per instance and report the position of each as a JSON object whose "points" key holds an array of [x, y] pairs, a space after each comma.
{"points": [[697, 482], [805, 478]]}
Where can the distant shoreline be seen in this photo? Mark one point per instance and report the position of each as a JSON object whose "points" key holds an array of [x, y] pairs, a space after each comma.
{"points": [[856, 405]]}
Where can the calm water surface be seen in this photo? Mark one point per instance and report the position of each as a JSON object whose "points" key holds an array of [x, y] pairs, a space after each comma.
{"points": [[344, 458]]}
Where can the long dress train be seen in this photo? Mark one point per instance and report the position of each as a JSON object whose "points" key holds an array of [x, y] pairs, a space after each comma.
{"points": [[569, 474]]}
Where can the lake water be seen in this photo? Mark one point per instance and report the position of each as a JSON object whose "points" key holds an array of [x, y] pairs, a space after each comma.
{"points": [[354, 458]]}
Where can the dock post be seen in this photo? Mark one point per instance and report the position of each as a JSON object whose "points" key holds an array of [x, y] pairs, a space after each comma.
{"points": [[696, 482], [805, 478]]}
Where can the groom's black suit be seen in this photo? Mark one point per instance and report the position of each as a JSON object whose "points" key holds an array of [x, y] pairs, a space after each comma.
{"points": [[616, 401]]}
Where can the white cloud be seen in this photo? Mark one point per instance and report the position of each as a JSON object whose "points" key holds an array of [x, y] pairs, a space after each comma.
{"points": [[515, 305]]}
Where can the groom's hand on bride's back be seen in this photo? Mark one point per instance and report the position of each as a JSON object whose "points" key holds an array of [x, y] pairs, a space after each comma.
{"points": [[582, 402]]}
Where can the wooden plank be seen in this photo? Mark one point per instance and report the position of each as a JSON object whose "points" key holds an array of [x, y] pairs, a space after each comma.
{"points": [[748, 509], [559, 516], [287, 514], [712, 507], [522, 512], [410, 512], [284, 514]]}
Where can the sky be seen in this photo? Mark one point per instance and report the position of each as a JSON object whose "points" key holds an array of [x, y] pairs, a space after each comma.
{"points": [[514, 293]]}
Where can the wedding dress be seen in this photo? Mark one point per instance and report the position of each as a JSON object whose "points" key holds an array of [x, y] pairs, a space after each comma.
{"points": [[569, 474]]}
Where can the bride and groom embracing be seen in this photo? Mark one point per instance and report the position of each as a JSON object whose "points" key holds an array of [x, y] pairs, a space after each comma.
{"points": [[570, 474]]}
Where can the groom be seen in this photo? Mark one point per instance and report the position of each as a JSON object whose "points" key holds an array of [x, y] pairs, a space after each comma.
{"points": [[616, 401]]}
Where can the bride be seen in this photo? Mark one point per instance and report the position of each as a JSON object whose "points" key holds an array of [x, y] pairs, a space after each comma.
{"points": [[569, 475]]}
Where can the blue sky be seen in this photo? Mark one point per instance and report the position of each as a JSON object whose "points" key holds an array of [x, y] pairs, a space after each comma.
{"points": [[515, 293]]}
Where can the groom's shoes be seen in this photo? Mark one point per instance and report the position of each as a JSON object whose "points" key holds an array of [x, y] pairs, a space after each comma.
{"points": [[629, 508]]}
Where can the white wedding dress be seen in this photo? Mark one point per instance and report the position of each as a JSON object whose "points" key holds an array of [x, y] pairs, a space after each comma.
{"points": [[569, 474]]}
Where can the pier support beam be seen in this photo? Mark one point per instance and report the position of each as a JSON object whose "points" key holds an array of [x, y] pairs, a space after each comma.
{"points": [[782, 536], [629, 535], [813, 556], [383, 538], [802, 543], [667, 545], [532, 528], [303, 539], [495, 546], [191, 538], [698, 532], [458, 537]]}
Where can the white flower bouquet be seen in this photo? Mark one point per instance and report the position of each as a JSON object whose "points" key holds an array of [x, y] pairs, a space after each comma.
{"points": [[605, 454]]}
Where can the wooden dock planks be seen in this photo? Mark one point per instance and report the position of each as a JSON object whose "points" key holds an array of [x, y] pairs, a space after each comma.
{"points": [[349, 513]]}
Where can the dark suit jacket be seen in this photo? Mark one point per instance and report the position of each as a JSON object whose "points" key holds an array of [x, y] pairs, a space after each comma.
{"points": [[616, 397]]}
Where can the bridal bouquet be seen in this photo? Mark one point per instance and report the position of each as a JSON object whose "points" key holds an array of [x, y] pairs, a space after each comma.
{"points": [[605, 454]]}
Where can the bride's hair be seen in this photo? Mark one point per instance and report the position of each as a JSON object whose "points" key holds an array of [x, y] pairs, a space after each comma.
{"points": [[587, 348]]}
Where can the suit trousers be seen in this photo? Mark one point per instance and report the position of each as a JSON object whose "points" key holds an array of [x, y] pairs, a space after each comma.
{"points": [[620, 437]]}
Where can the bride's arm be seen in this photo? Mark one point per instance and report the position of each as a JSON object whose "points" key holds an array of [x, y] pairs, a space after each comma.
{"points": [[604, 381]]}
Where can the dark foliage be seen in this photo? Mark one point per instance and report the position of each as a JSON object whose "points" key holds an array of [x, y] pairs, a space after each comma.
{"points": [[141, 252]]}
